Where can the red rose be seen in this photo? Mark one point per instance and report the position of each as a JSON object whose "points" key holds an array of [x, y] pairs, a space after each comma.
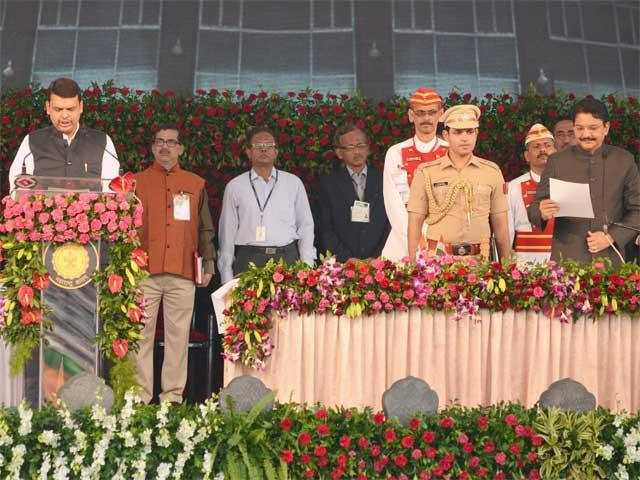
{"points": [[431, 452], [511, 419], [390, 435], [407, 441], [363, 442], [309, 473], [474, 462], [320, 451], [482, 422], [501, 458], [285, 424], [375, 450], [428, 437], [25, 295], [304, 439], [305, 458], [467, 448], [515, 448], [500, 109], [536, 440], [414, 423], [446, 422], [378, 418], [400, 460], [345, 441], [532, 456], [323, 429], [463, 438], [322, 413], [489, 446], [287, 456]]}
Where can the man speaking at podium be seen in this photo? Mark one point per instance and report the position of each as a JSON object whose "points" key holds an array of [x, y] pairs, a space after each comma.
{"points": [[65, 149]]}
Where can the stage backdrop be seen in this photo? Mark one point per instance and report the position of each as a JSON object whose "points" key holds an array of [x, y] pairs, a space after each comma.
{"points": [[215, 123]]}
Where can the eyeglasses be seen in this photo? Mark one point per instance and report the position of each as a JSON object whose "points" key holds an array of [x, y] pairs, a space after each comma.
{"points": [[425, 113], [171, 143], [353, 148], [589, 128], [266, 146]]}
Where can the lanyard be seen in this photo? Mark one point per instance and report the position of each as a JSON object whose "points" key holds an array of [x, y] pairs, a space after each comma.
{"points": [[255, 194]]}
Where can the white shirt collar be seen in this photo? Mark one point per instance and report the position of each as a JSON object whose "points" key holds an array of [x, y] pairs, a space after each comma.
{"points": [[68, 138], [428, 146], [352, 173], [253, 175], [535, 176]]}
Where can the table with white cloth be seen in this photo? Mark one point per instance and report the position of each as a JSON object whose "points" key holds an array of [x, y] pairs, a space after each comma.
{"points": [[510, 356]]}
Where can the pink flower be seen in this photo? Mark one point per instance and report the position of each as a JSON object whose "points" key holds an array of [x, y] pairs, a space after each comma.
{"points": [[61, 227], [370, 295], [83, 227], [501, 458], [247, 306], [278, 277], [111, 205], [83, 238], [21, 236], [57, 215], [510, 420], [96, 225], [598, 265], [112, 227], [538, 292], [35, 236], [124, 206], [99, 207]]}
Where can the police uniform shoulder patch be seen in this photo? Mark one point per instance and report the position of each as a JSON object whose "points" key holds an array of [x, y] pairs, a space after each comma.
{"points": [[488, 163], [424, 166]]}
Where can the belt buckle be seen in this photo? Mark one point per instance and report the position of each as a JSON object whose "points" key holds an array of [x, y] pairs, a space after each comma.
{"points": [[270, 251], [462, 249]]}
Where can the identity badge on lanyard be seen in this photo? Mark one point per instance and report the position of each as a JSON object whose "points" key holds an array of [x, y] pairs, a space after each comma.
{"points": [[181, 207], [261, 229]]}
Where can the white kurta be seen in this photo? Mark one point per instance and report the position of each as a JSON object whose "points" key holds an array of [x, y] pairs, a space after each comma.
{"points": [[396, 196], [518, 219]]}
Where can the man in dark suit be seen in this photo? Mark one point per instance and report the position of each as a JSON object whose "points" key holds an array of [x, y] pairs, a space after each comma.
{"points": [[352, 219]]}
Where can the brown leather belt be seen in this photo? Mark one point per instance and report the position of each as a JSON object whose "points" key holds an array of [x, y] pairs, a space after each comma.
{"points": [[459, 249]]}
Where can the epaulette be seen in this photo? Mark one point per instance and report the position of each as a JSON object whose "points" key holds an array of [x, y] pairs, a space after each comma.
{"points": [[489, 163], [429, 164]]}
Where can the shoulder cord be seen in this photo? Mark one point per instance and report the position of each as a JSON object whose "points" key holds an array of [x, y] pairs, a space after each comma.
{"points": [[449, 200]]}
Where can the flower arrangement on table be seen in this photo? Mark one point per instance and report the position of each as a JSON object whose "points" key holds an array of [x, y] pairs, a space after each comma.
{"points": [[73, 217], [564, 290]]}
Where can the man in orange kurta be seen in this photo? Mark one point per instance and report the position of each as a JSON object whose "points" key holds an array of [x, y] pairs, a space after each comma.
{"points": [[176, 225]]}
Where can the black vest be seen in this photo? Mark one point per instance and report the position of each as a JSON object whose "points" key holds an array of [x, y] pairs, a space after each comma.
{"points": [[52, 157]]}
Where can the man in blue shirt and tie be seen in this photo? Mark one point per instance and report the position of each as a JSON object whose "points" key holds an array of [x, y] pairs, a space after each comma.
{"points": [[265, 213]]}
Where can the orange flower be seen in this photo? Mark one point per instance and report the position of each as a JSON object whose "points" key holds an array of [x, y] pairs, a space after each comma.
{"points": [[25, 296], [120, 347], [135, 314], [115, 283], [139, 256], [30, 315], [40, 282], [122, 184]]}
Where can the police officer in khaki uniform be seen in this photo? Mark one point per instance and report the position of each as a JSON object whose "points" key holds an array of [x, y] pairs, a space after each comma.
{"points": [[457, 194]]}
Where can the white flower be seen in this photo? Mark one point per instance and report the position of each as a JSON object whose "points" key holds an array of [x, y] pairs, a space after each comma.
{"points": [[185, 430], [61, 471], [45, 466], [219, 476], [605, 451], [5, 438], [622, 474], [207, 465], [17, 459], [1, 460], [618, 420], [164, 469], [49, 437], [163, 438], [25, 419]]}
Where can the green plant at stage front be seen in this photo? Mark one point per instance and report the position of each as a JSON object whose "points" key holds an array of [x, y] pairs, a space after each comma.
{"points": [[571, 443], [244, 446]]}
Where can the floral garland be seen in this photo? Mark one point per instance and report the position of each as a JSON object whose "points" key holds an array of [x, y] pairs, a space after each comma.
{"points": [[71, 217], [564, 290]]}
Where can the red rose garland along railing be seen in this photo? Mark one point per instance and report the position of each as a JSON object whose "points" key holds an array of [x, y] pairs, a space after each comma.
{"points": [[73, 217]]}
